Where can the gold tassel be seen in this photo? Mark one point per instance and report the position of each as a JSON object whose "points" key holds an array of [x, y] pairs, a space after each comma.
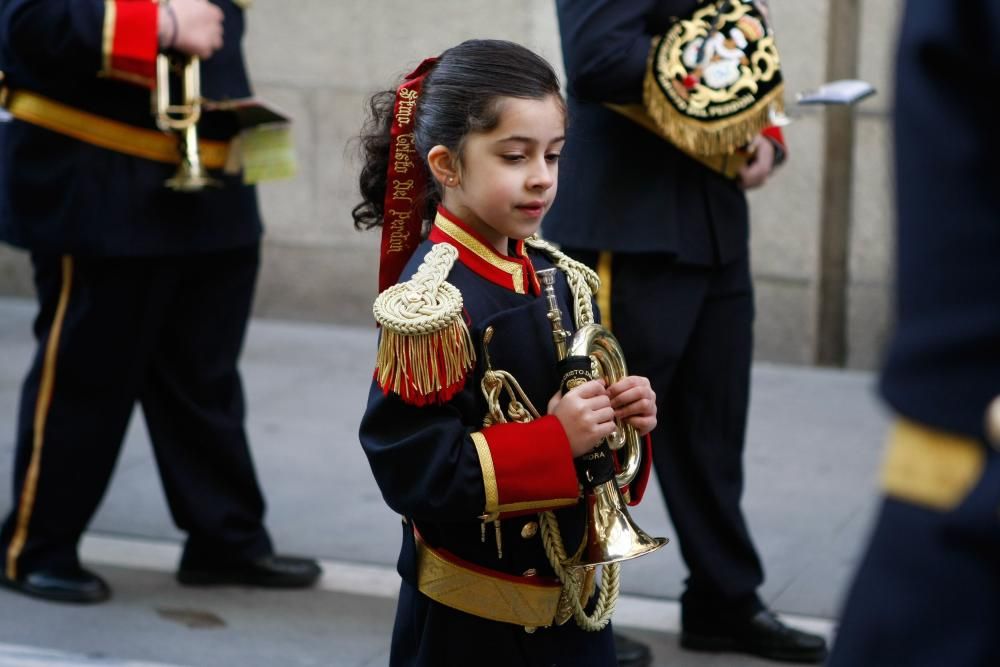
{"points": [[428, 367], [425, 350], [709, 138]]}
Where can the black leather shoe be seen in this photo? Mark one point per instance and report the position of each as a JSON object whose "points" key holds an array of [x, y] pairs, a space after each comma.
{"points": [[76, 585], [631, 653], [762, 635], [272, 571]]}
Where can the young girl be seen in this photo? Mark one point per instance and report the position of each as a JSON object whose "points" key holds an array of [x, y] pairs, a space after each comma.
{"points": [[471, 141]]}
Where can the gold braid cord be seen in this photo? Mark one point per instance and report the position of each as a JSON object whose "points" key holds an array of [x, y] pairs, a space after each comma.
{"points": [[576, 589], [583, 281], [577, 583], [425, 351]]}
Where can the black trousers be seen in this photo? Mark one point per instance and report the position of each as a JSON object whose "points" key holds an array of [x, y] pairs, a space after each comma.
{"points": [[165, 332], [689, 329]]}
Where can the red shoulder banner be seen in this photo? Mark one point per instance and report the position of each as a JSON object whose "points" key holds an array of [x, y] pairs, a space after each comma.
{"points": [[406, 181]]}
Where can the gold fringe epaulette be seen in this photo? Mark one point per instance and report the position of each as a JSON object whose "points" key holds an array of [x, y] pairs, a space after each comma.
{"points": [[425, 351], [721, 137]]}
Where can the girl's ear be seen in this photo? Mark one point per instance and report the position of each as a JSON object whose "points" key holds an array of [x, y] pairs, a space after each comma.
{"points": [[443, 165]]}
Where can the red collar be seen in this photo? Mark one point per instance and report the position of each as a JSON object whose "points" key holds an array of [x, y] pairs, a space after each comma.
{"points": [[515, 272]]}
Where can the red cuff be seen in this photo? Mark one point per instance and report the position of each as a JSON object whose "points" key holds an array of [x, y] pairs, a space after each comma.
{"points": [[527, 467], [776, 136], [130, 40], [773, 132]]}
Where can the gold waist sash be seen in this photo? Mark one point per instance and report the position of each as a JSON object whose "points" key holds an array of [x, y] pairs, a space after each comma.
{"points": [[497, 596], [106, 133]]}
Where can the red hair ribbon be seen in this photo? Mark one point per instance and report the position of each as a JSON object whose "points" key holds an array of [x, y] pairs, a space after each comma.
{"points": [[406, 182]]}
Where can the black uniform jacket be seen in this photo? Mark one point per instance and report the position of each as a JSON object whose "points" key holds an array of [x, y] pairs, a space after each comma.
{"points": [[624, 188], [438, 466], [60, 194]]}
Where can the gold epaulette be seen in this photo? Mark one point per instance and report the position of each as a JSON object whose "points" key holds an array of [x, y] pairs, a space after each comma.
{"points": [[425, 351]]}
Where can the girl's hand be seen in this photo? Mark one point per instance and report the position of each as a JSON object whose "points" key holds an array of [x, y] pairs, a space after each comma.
{"points": [[756, 172], [586, 415], [634, 402]]}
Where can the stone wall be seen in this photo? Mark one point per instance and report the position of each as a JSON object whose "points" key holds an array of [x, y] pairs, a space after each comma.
{"points": [[320, 60]]}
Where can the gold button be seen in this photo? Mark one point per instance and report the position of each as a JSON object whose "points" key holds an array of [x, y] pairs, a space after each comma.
{"points": [[993, 422], [530, 572], [530, 530]]}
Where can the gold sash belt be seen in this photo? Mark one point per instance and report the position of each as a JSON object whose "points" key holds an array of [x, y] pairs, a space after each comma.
{"points": [[931, 468], [106, 133], [497, 596]]}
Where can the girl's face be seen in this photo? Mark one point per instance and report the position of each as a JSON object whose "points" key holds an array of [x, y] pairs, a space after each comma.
{"points": [[507, 177]]}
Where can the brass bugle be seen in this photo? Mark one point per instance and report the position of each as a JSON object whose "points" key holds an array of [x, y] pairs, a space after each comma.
{"points": [[182, 119], [612, 535]]}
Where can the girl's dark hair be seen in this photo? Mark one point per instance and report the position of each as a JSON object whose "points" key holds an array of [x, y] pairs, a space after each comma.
{"points": [[461, 94]]}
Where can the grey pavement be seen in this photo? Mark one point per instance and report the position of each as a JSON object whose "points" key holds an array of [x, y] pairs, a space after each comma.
{"points": [[814, 445]]}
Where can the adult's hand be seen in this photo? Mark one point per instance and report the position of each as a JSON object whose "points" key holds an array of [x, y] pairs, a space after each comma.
{"points": [[195, 27], [756, 172]]}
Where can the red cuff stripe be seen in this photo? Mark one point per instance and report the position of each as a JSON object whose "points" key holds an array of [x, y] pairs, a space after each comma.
{"points": [[134, 41], [533, 464]]}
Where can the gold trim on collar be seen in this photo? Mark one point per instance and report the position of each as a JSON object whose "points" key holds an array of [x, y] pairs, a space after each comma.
{"points": [[483, 252]]}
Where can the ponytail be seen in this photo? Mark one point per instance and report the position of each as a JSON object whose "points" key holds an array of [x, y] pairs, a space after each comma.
{"points": [[375, 142]]}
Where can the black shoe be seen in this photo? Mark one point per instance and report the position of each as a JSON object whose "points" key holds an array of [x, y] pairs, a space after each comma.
{"points": [[75, 585], [272, 571], [631, 653], [762, 635]]}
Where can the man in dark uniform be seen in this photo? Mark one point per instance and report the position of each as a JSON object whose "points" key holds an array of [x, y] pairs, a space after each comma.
{"points": [[669, 237], [144, 292], [928, 589]]}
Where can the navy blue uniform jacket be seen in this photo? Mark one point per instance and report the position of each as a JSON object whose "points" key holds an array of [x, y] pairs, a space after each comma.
{"points": [[943, 366], [664, 201], [442, 469]]}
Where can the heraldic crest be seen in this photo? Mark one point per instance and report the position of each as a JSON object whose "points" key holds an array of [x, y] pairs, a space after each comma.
{"points": [[713, 80]]}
